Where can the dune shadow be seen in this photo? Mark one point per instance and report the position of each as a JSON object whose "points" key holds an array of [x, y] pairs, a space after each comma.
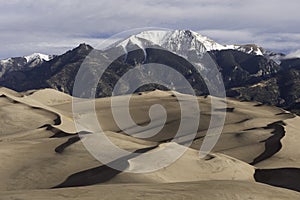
{"points": [[242, 121], [100, 174], [69, 142], [288, 178], [57, 132], [259, 105], [63, 146], [225, 109], [273, 143]]}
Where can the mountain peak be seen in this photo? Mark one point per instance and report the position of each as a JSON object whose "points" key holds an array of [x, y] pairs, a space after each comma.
{"points": [[39, 56], [84, 46], [173, 37], [175, 40]]}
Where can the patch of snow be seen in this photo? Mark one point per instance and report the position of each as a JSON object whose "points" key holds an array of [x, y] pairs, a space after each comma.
{"points": [[249, 49], [35, 56], [157, 37], [5, 61], [258, 52], [276, 57], [176, 37]]}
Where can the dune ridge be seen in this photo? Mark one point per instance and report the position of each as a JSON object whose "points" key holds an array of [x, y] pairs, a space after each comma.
{"points": [[257, 143]]}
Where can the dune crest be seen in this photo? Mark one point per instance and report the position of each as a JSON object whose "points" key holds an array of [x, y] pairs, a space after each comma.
{"points": [[41, 149]]}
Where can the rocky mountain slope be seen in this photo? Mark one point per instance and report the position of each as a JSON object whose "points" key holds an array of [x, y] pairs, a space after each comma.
{"points": [[22, 63], [248, 71]]}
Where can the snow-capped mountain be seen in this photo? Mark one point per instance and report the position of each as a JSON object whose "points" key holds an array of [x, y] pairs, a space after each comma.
{"points": [[247, 48], [175, 40], [184, 40], [22, 63], [192, 46], [188, 44], [38, 56], [248, 71]]}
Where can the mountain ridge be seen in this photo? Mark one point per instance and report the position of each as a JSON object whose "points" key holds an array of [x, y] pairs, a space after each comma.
{"points": [[249, 72]]}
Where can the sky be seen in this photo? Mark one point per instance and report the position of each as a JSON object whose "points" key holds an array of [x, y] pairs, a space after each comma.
{"points": [[55, 26]]}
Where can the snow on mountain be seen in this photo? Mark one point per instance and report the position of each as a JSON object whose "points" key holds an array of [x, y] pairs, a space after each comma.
{"points": [[35, 56], [187, 44], [247, 48], [182, 40], [28, 59], [173, 40], [276, 57], [22, 63], [5, 61]]}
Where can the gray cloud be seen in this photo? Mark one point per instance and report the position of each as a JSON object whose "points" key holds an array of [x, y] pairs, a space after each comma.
{"points": [[55, 26]]}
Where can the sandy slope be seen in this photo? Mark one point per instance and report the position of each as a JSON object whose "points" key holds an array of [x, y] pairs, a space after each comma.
{"points": [[289, 156], [40, 149], [203, 190]]}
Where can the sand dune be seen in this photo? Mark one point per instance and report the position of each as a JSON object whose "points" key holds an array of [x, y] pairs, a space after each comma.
{"points": [[289, 156], [41, 149], [216, 167], [203, 190]]}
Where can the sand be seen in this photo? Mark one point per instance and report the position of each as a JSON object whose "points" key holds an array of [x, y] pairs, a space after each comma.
{"points": [[203, 190], [41, 149]]}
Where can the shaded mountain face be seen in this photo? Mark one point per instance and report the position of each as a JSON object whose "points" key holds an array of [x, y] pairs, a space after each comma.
{"points": [[290, 63], [12, 64], [248, 71], [281, 88], [22, 63], [146, 78], [57, 73], [241, 69]]}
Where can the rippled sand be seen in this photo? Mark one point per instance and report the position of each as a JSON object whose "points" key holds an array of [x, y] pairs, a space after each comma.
{"points": [[41, 150]]}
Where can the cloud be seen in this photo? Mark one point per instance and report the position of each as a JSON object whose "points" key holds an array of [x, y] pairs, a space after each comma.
{"points": [[26, 25]]}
